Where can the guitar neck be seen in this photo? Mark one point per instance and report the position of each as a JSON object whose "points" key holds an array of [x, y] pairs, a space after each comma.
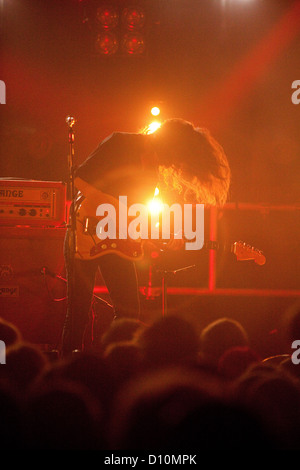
{"points": [[215, 245]]}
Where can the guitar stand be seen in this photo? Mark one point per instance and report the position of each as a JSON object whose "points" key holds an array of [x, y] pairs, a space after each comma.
{"points": [[166, 275]]}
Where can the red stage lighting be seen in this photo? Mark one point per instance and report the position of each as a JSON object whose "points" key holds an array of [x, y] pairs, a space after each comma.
{"points": [[119, 29], [106, 43], [107, 17], [133, 18], [133, 43]]}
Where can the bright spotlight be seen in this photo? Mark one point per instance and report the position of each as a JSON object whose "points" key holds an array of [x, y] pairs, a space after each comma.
{"points": [[153, 126], [155, 206], [155, 111]]}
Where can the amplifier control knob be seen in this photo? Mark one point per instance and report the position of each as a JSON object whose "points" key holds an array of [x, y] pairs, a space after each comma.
{"points": [[32, 212], [22, 212]]}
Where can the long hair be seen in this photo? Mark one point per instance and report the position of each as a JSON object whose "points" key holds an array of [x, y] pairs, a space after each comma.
{"points": [[191, 163]]}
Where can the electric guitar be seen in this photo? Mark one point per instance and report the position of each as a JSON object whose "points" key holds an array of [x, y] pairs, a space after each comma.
{"points": [[89, 246]]}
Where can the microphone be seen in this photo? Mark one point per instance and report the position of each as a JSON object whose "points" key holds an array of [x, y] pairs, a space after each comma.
{"points": [[46, 271], [70, 120]]}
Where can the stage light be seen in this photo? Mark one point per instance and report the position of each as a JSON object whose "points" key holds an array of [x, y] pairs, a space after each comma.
{"points": [[106, 43], [133, 43], [155, 111], [127, 22], [153, 126], [133, 18], [155, 207], [107, 17]]}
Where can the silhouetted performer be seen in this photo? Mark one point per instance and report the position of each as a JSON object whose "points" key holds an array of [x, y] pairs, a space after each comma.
{"points": [[187, 164]]}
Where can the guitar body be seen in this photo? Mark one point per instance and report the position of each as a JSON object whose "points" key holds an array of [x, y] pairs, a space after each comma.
{"points": [[88, 245]]}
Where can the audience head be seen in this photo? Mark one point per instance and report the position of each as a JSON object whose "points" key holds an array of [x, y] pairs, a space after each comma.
{"points": [[24, 363], [122, 329], [12, 420], [288, 367], [178, 408], [235, 361], [124, 361], [64, 415], [218, 337], [291, 323], [86, 369], [276, 397], [170, 340], [9, 333]]}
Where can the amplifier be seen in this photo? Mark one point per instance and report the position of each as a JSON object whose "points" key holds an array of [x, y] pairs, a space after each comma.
{"points": [[32, 202], [31, 281]]}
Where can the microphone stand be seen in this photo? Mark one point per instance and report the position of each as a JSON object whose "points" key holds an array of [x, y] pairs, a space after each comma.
{"points": [[72, 224], [165, 277]]}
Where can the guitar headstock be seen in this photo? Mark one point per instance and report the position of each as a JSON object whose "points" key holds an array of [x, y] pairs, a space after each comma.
{"points": [[244, 252]]}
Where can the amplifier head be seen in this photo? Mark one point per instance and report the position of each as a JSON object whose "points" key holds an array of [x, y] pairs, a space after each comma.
{"points": [[32, 203]]}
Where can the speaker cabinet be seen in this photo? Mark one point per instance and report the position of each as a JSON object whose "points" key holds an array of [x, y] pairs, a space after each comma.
{"points": [[32, 286]]}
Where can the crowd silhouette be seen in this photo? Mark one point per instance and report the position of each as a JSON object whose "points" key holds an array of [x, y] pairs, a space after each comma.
{"points": [[161, 386]]}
